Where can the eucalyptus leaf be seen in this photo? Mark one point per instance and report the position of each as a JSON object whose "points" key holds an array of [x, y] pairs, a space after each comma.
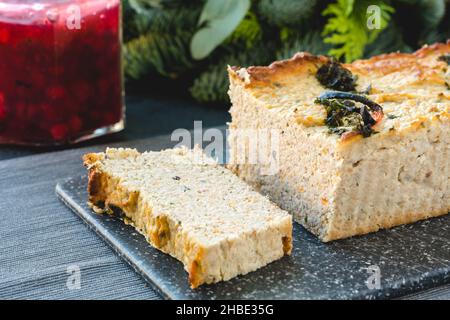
{"points": [[143, 6], [214, 9], [433, 12], [217, 21]]}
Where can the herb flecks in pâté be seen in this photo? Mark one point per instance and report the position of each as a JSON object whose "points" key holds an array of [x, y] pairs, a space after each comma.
{"points": [[333, 75], [344, 116]]}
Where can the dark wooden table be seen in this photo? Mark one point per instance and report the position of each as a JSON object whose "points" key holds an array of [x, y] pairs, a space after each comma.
{"points": [[43, 244]]}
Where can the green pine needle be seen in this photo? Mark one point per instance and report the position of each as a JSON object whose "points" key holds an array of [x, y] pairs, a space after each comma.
{"points": [[165, 54], [157, 38], [292, 13], [211, 86], [248, 31], [311, 42], [389, 40]]}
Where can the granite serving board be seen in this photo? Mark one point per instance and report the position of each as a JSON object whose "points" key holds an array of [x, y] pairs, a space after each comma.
{"points": [[386, 264]]}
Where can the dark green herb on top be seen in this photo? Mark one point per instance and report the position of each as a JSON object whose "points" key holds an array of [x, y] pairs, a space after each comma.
{"points": [[445, 58], [333, 75], [344, 115], [351, 96]]}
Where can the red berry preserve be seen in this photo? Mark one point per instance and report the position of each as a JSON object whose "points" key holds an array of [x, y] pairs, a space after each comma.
{"points": [[60, 70]]}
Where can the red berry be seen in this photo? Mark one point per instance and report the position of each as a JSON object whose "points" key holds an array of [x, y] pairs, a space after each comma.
{"points": [[59, 131], [82, 91], [75, 123], [56, 92], [102, 85], [38, 79], [20, 109], [33, 112], [4, 36], [50, 113]]}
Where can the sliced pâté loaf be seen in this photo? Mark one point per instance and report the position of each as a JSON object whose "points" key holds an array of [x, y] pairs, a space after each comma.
{"points": [[336, 181], [190, 207]]}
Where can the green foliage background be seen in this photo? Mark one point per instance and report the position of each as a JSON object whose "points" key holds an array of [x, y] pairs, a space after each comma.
{"points": [[158, 33]]}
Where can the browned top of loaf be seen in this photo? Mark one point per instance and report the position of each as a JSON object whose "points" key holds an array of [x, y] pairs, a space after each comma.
{"points": [[421, 60], [414, 88]]}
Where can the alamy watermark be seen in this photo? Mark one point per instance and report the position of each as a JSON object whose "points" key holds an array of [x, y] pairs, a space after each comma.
{"points": [[373, 282], [373, 17], [245, 146], [74, 279], [73, 20], [73, 16]]}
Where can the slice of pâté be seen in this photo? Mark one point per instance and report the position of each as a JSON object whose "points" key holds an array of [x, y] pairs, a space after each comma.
{"points": [[188, 206], [362, 146]]}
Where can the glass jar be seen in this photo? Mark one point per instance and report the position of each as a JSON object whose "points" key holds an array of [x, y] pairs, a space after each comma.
{"points": [[61, 78]]}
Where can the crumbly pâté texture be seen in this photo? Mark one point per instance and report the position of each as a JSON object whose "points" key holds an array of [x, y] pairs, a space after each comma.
{"points": [[338, 184], [188, 206]]}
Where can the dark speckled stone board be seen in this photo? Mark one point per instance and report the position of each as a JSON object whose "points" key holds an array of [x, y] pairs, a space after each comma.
{"points": [[410, 258]]}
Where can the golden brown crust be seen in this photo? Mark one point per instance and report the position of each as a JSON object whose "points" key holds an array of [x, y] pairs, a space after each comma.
{"points": [[385, 63], [265, 74], [90, 159], [287, 245], [392, 62], [195, 270], [433, 48], [94, 187], [94, 184]]}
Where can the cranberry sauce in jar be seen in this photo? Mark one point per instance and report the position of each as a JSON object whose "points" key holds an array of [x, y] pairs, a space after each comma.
{"points": [[60, 70]]}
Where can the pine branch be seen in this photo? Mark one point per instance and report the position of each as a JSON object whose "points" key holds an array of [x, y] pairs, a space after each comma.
{"points": [[211, 86], [248, 31], [158, 40], [165, 20], [283, 13], [144, 6], [431, 12], [390, 40], [311, 42], [163, 53], [421, 21]]}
